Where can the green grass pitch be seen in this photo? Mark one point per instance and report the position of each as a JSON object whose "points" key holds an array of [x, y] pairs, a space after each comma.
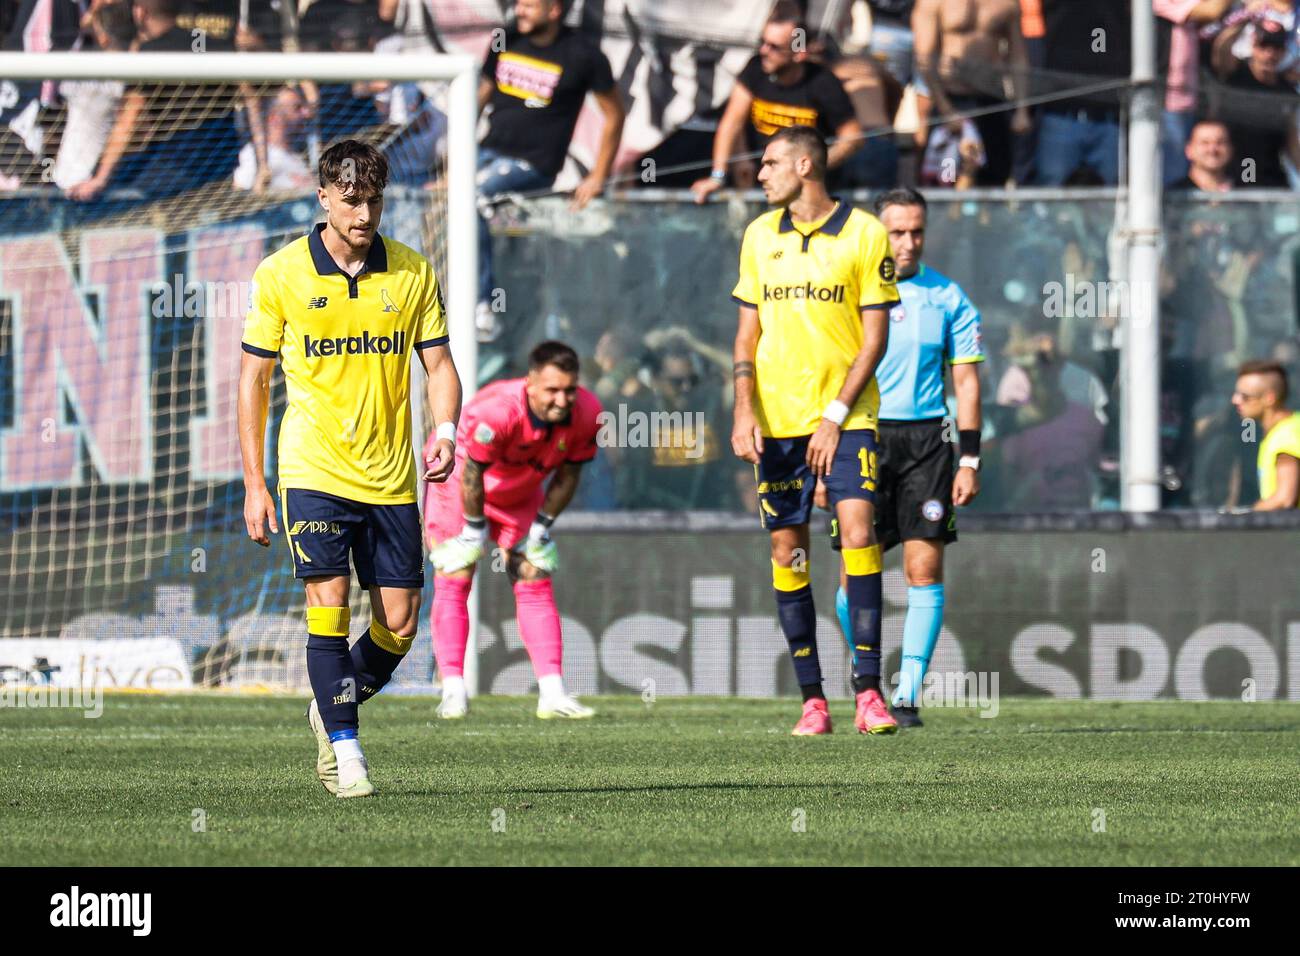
{"points": [[228, 780]]}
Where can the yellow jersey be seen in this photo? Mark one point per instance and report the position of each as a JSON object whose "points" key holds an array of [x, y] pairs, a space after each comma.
{"points": [[1282, 439], [810, 283], [345, 344]]}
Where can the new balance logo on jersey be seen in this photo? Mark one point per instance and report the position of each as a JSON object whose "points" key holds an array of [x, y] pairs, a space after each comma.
{"points": [[779, 293], [318, 303], [364, 344]]}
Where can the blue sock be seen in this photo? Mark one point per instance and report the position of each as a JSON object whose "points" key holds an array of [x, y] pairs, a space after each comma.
{"points": [[799, 625], [920, 634], [846, 628], [334, 682], [374, 658]]}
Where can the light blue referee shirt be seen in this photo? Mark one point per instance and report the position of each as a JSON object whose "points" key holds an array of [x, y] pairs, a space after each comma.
{"points": [[934, 325]]}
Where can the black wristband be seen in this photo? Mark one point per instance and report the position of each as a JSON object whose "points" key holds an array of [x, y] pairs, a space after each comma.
{"points": [[544, 519], [969, 439], [476, 523]]}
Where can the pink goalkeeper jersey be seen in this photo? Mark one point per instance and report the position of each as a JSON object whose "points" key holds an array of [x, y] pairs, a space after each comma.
{"points": [[498, 429]]}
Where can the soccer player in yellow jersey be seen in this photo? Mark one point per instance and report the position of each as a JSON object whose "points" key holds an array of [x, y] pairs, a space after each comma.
{"points": [[1261, 394], [343, 308], [816, 285]]}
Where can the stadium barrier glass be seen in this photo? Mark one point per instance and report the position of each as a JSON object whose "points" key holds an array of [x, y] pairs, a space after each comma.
{"points": [[642, 289], [121, 499]]}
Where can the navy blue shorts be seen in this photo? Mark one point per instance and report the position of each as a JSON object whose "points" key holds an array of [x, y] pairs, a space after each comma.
{"points": [[786, 483], [384, 540]]}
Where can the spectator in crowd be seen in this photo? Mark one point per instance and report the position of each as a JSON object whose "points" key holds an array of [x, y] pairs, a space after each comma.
{"points": [[618, 365], [679, 460], [968, 53], [1187, 16], [1054, 444], [876, 96], [40, 26], [318, 23], [92, 104], [1209, 159], [1261, 395], [891, 42], [536, 85], [780, 86], [1260, 106], [1034, 31], [1083, 131], [36, 26], [166, 137], [285, 121], [1242, 17]]}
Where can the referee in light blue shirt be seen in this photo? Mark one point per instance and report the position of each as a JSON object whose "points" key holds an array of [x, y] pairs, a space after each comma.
{"points": [[935, 326]]}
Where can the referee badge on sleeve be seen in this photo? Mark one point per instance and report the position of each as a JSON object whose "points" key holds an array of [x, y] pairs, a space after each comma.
{"points": [[483, 433], [887, 269]]}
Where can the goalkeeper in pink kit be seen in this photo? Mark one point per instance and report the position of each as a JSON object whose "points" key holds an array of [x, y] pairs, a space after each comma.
{"points": [[513, 435]]}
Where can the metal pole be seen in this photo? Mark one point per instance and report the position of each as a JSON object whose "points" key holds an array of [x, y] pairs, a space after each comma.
{"points": [[1140, 355], [462, 275]]}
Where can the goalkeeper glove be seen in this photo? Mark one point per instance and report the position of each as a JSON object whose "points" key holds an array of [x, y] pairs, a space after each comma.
{"points": [[539, 549], [464, 550]]}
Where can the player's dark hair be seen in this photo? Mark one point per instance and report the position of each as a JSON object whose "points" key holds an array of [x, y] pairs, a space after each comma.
{"points": [[354, 166], [1268, 367], [903, 196], [809, 141], [553, 353]]}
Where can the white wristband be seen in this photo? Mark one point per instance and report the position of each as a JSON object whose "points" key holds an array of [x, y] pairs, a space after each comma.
{"points": [[836, 412], [446, 430]]}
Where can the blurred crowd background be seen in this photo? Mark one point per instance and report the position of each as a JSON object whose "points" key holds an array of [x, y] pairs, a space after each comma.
{"points": [[972, 100]]}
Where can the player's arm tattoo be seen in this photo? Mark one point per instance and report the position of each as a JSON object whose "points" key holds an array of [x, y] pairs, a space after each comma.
{"points": [[471, 488], [742, 370], [562, 487]]}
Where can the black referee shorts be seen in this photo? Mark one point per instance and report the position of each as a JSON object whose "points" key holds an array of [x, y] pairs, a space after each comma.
{"points": [[914, 485]]}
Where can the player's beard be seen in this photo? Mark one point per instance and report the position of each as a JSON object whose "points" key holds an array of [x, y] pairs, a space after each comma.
{"points": [[356, 245]]}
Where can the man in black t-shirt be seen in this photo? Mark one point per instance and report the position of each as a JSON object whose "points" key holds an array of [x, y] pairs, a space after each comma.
{"points": [[168, 137], [781, 87], [536, 81]]}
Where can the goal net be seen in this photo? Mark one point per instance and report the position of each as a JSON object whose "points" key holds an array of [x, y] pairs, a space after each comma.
{"points": [[123, 557]]}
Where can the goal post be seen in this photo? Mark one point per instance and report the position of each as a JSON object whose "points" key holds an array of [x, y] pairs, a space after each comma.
{"points": [[458, 71], [109, 540]]}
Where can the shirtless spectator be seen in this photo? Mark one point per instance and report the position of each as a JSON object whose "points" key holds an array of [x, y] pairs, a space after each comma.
{"points": [[1209, 159], [780, 86], [966, 51]]}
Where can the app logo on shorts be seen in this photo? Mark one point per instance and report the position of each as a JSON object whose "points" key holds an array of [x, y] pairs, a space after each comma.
{"points": [[932, 510]]}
